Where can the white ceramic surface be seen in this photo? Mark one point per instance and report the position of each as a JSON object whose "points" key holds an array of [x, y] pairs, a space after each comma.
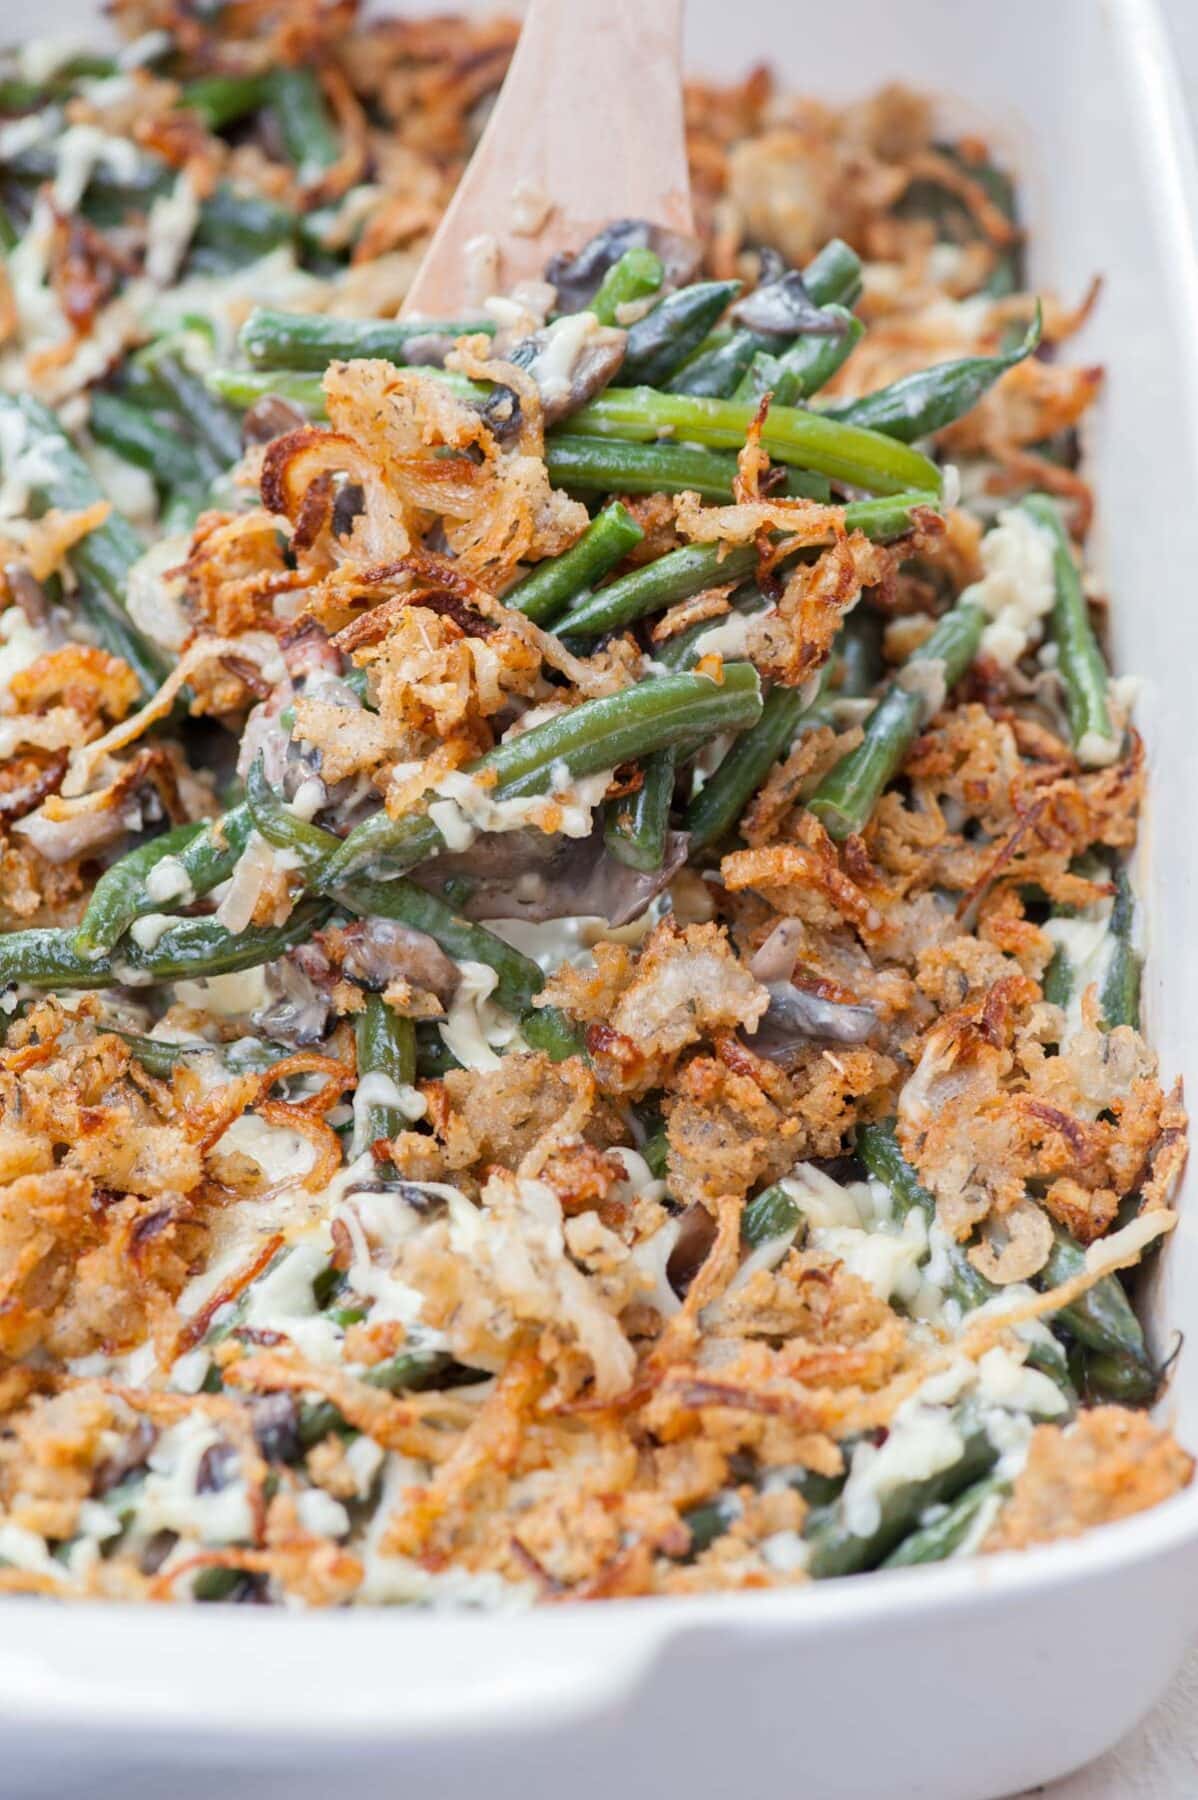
{"points": [[966, 1682]]}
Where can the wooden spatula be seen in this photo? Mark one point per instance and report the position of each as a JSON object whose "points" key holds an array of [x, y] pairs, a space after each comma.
{"points": [[587, 128]]}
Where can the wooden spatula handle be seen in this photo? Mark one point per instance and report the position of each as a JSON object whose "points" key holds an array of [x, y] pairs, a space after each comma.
{"points": [[589, 124]]}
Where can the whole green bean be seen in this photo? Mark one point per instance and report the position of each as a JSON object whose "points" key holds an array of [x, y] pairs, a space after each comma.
{"points": [[549, 588], [115, 632], [937, 1540], [386, 1045], [412, 1371], [656, 585], [923, 403], [598, 734], [637, 274], [214, 423], [845, 799], [161, 1057], [808, 365], [833, 276], [1125, 1380], [878, 1148], [547, 1028], [1080, 662], [309, 136], [207, 854], [64, 480], [844, 453], [660, 343], [635, 826], [222, 100], [243, 388], [192, 948], [1119, 997], [239, 226], [613, 465], [1102, 1318], [768, 1215], [717, 806], [724, 369], [519, 978], [835, 1549], [311, 341], [142, 440]]}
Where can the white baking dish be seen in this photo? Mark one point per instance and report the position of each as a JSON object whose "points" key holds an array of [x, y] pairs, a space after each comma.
{"points": [[966, 1682]]}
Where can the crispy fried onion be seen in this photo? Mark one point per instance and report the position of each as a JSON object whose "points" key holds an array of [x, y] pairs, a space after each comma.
{"points": [[421, 456], [259, 649]]}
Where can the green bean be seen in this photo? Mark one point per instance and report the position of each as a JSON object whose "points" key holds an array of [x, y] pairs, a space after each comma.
{"points": [[724, 366], [115, 632], [937, 1540], [222, 100], [598, 734], [833, 276], [1124, 1380], [637, 274], [207, 854], [215, 1584], [308, 133], [718, 372], [1080, 662], [923, 403], [161, 1057], [64, 480], [877, 1147], [547, 1028], [311, 341], [844, 453], [386, 1045], [1102, 1318], [412, 1371], [243, 226], [835, 1549], [656, 1152], [548, 590], [519, 978], [142, 440], [613, 465], [709, 1521], [656, 585], [636, 825], [858, 654], [1119, 996], [768, 1215], [191, 948], [845, 799], [212, 421], [660, 343], [140, 179], [1057, 986], [434, 1058], [243, 388], [808, 365], [721, 800]]}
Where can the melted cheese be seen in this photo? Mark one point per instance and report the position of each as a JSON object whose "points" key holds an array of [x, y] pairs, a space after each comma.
{"points": [[1018, 586]]}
